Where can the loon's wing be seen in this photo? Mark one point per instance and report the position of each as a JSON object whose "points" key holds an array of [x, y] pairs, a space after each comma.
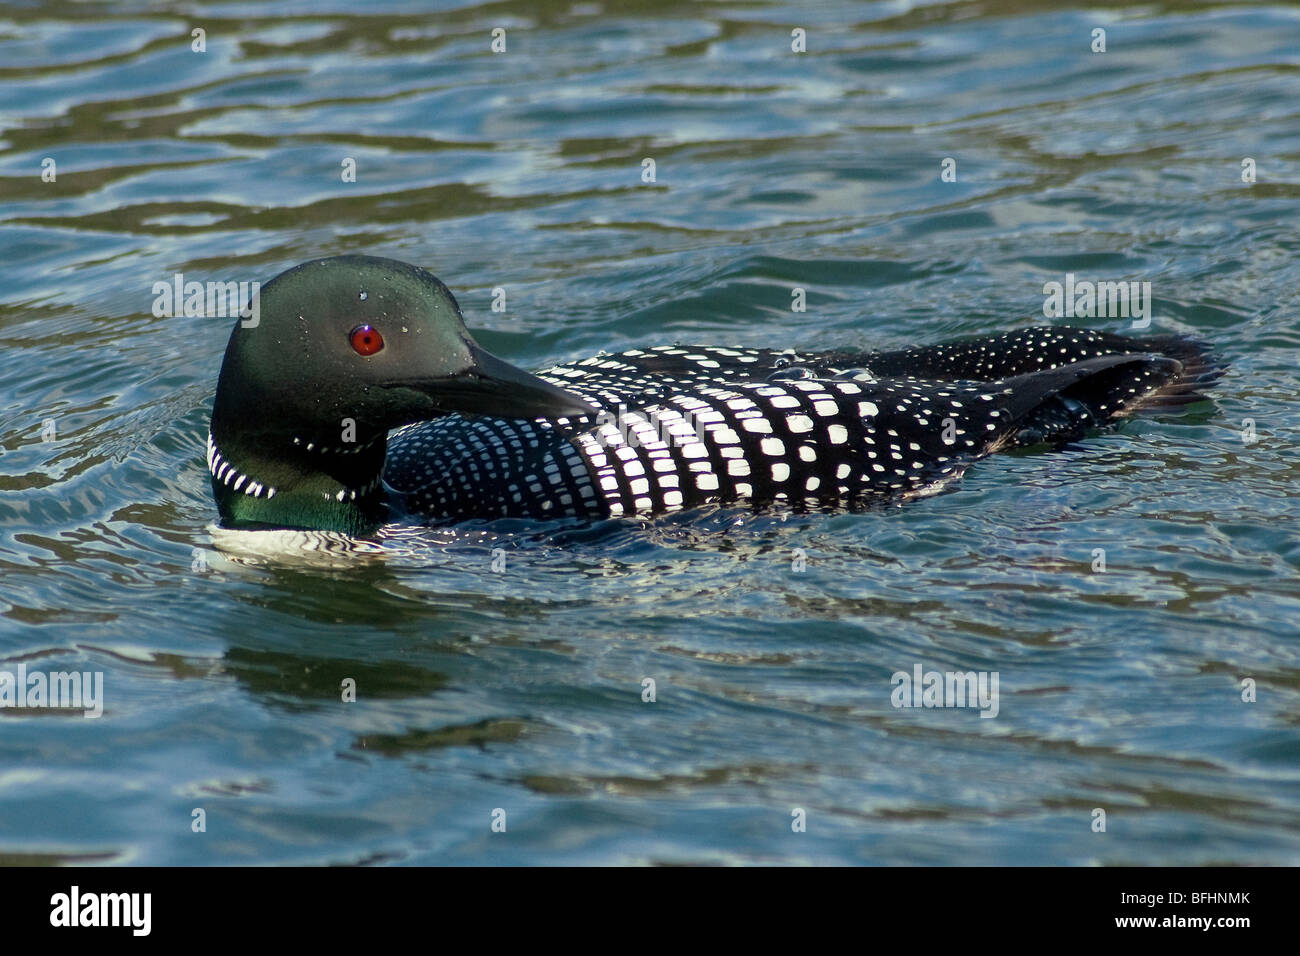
{"points": [[838, 440], [832, 442]]}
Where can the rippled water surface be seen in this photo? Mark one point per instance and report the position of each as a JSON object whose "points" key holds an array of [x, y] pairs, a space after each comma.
{"points": [[522, 689]]}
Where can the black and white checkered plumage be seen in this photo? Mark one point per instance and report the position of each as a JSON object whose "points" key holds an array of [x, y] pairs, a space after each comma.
{"points": [[686, 426]]}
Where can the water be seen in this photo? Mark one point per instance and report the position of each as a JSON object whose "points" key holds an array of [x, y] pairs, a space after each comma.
{"points": [[520, 689]]}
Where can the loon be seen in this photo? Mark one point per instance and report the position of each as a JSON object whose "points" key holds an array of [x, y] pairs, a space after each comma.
{"points": [[358, 398]]}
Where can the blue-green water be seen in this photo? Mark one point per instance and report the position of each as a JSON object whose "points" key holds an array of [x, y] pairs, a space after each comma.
{"points": [[521, 689]]}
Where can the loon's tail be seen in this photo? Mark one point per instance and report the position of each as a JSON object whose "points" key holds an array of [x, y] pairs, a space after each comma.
{"points": [[1199, 369], [1163, 373]]}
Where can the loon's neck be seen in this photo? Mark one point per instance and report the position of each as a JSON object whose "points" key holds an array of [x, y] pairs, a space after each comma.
{"points": [[295, 483]]}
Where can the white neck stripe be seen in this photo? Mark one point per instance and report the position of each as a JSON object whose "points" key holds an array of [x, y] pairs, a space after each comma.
{"points": [[225, 472]]}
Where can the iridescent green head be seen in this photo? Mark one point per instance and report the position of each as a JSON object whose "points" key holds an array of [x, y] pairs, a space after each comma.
{"points": [[338, 352]]}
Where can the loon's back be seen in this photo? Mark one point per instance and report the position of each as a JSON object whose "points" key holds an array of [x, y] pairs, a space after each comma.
{"points": [[681, 427]]}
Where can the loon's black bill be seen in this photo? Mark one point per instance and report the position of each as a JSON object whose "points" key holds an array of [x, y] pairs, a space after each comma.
{"points": [[493, 387]]}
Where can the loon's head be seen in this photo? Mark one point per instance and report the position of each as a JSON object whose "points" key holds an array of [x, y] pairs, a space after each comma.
{"points": [[341, 351]]}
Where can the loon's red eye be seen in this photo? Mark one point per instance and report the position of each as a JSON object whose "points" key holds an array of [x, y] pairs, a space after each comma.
{"points": [[366, 340]]}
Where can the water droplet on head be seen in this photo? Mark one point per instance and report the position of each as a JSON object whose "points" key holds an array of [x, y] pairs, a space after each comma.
{"points": [[783, 358]]}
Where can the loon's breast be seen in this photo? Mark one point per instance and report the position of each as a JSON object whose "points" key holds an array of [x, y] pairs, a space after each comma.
{"points": [[680, 426]]}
